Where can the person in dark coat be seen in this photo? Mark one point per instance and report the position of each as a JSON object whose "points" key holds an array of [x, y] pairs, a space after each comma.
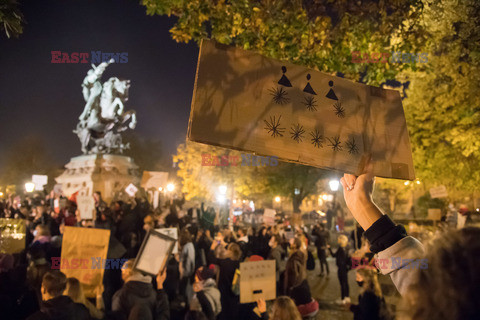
{"points": [[321, 241], [55, 305], [344, 264], [138, 292], [227, 268]]}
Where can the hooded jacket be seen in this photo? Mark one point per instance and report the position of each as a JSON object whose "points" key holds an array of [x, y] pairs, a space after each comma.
{"points": [[135, 293], [61, 308], [208, 300]]}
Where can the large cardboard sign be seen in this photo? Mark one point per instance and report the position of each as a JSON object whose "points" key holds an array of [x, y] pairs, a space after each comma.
{"points": [[81, 249], [257, 281], [248, 102], [154, 179], [86, 206]]}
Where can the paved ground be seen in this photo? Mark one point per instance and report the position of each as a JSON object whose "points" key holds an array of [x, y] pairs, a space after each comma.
{"points": [[327, 289]]}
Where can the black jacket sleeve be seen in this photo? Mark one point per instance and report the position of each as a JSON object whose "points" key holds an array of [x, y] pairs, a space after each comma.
{"points": [[206, 306], [383, 233]]}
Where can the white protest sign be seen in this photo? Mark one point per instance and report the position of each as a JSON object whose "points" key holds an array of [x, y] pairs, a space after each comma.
{"points": [[257, 281], [39, 181], [269, 217], [439, 192], [131, 190], [172, 233], [86, 206], [57, 189], [154, 179]]}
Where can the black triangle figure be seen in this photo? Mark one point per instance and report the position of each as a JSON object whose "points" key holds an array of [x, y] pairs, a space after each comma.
{"points": [[284, 80], [308, 87], [331, 94]]}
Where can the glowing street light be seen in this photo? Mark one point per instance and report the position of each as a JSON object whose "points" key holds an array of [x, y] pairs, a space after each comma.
{"points": [[160, 189], [223, 189], [29, 186], [334, 184], [406, 183], [277, 199], [170, 187]]}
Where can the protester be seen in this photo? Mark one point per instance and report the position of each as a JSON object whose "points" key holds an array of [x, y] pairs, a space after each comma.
{"points": [[296, 285], [321, 241], [277, 253], [56, 305], [371, 305], [186, 264], [227, 267], [138, 290], [207, 296], [75, 291], [344, 264], [283, 309]]}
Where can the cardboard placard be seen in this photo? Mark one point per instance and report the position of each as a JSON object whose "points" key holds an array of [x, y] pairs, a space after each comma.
{"points": [[12, 235], [269, 217], [154, 252], [248, 102], [257, 281], [434, 214], [86, 206], [154, 179], [81, 247], [439, 192], [172, 233]]}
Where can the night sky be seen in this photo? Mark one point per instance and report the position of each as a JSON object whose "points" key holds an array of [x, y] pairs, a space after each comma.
{"points": [[38, 98]]}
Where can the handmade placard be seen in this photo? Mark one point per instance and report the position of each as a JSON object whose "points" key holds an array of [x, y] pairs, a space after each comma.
{"points": [[245, 101], [257, 281], [86, 206], [154, 252], [269, 217], [81, 249], [172, 233]]}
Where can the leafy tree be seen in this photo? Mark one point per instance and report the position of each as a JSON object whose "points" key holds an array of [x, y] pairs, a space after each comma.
{"points": [[317, 34], [294, 181], [11, 18], [27, 157], [202, 176], [443, 105]]}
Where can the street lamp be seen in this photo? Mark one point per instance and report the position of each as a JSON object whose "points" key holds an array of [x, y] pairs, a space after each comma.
{"points": [[160, 189], [170, 187], [334, 184], [277, 199], [223, 190], [29, 186]]}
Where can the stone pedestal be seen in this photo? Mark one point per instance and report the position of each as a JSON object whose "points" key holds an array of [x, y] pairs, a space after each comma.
{"points": [[110, 174]]}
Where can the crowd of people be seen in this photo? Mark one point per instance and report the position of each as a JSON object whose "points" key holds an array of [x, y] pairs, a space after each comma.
{"points": [[201, 281]]}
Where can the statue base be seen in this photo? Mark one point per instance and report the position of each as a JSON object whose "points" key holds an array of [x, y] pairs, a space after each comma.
{"points": [[108, 173]]}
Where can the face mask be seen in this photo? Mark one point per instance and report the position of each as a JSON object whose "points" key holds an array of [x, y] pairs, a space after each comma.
{"points": [[35, 232], [360, 283]]}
